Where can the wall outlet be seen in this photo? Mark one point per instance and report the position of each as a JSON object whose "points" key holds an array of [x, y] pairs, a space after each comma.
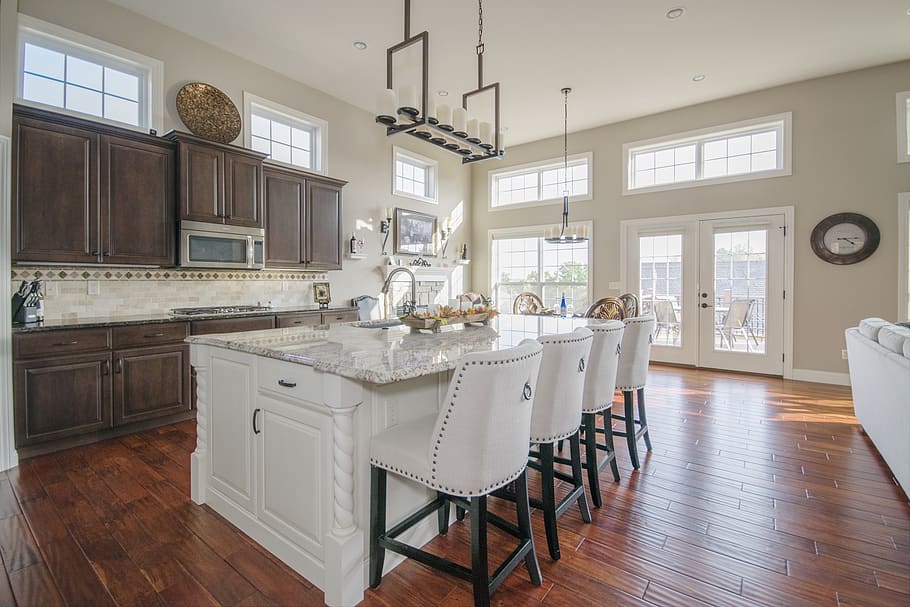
{"points": [[94, 287], [285, 285], [614, 285], [50, 288], [391, 413], [843, 354]]}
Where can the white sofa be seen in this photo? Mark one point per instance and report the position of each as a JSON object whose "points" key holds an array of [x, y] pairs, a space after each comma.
{"points": [[879, 355]]}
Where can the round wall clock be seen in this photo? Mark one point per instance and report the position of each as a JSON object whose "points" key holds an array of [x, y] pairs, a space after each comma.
{"points": [[845, 238]]}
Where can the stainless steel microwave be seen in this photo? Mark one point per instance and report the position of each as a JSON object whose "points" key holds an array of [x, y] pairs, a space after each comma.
{"points": [[212, 245]]}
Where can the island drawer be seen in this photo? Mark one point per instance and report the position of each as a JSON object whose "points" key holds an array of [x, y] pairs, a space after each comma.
{"points": [[150, 335], [311, 319], [289, 379], [66, 341]]}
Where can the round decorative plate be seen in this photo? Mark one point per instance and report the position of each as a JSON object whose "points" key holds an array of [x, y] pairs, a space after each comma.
{"points": [[208, 112]]}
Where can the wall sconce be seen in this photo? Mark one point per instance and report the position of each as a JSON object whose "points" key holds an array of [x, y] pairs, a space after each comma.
{"points": [[385, 227]]}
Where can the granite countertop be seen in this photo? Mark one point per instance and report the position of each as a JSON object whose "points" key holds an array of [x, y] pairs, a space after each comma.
{"points": [[140, 319], [384, 356]]}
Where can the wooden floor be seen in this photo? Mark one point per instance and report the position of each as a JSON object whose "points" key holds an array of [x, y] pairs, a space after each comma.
{"points": [[758, 492]]}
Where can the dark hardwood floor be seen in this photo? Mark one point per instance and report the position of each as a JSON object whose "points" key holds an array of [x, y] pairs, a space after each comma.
{"points": [[758, 492]]}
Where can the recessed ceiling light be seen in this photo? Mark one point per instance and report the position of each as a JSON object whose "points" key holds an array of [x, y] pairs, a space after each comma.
{"points": [[359, 45], [442, 93], [698, 77], [676, 13]]}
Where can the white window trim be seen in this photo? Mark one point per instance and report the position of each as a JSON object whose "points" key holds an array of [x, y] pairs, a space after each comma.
{"points": [[42, 32], [320, 126], [903, 138], [538, 231], [784, 152], [414, 156], [903, 262], [524, 168]]}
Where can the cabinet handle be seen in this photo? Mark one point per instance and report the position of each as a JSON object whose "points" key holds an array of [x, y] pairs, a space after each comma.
{"points": [[256, 430], [95, 253], [67, 343], [119, 367], [287, 384], [151, 335], [106, 368]]}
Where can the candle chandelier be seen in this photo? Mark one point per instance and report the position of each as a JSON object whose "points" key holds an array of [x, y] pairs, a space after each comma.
{"points": [[453, 129], [566, 234]]}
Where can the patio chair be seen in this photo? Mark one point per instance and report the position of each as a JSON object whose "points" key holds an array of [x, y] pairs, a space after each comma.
{"points": [[737, 319], [667, 320]]}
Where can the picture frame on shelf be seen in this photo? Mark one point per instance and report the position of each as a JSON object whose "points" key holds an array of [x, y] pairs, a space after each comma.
{"points": [[322, 294], [415, 233]]}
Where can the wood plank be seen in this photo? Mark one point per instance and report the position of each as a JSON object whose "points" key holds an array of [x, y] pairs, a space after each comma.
{"points": [[35, 586]]}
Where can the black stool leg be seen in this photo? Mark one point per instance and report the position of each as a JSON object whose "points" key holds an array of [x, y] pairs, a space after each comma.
{"points": [[377, 523], [480, 573], [459, 513], [548, 495], [643, 417], [608, 439], [523, 508], [590, 419], [630, 427], [577, 477], [443, 514]]}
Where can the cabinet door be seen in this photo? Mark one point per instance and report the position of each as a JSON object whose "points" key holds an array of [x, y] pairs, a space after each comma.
{"points": [[285, 201], [201, 183], [323, 221], [150, 382], [137, 202], [54, 193], [242, 190], [292, 468], [62, 396]]}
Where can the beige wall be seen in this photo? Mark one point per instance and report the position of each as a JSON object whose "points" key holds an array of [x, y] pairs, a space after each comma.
{"points": [[358, 150], [844, 133]]}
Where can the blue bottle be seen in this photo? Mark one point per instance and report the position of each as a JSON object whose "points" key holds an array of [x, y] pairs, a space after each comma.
{"points": [[562, 306]]}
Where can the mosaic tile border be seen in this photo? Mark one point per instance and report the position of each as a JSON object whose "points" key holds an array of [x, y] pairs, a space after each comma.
{"points": [[77, 273]]}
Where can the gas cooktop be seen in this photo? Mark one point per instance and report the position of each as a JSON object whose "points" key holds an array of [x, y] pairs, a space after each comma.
{"points": [[217, 310]]}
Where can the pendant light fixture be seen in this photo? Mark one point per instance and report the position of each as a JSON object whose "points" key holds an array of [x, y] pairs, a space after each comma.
{"points": [[453, 129], [566, 234]]}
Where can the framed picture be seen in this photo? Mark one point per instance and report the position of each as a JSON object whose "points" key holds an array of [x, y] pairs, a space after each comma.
{"points": [[321, 294], [415, 233]]}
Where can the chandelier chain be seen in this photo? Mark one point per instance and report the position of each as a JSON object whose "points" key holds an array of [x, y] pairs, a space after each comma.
{"points": [[565, 136], [480, 27]]}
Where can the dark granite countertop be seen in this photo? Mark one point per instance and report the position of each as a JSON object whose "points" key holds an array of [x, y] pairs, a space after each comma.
{"points": [[139, 319]]}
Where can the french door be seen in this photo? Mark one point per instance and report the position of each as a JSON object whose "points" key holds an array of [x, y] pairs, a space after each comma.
{"points": [[715, 287]]}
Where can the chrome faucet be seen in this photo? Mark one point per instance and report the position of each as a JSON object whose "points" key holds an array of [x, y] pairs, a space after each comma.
{"points": [[410, 306]]}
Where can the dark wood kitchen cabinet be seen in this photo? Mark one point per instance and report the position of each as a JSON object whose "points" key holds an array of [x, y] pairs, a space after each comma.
{"points": [[150, 382], [218, 183], [303, 214], [89, 193]]}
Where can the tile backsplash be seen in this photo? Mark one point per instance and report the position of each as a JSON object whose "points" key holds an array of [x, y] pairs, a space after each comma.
{"points": [[131, 291]]}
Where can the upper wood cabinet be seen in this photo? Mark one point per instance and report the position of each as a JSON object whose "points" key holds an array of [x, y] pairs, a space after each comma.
{"points": [[218, 183], [303, 214], [89, 193]]}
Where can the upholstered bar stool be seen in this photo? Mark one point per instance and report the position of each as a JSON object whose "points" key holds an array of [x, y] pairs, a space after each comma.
{"points": [[557, 416], [631, 376], [463, 455]]}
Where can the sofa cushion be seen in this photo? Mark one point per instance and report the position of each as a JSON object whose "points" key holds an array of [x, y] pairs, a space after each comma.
{"points": [[869, 327], [893, 337], [907, 348]]}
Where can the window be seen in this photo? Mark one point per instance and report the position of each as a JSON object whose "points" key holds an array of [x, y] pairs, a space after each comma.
{"points": [[414, 176], [284, 134], [541, 182], [524, 261], [81, 75], [903, 279], [903, 126], [747, 150]]}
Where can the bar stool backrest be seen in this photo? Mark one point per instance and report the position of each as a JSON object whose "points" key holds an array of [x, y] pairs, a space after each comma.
{"points": [[470, 455], [600, 377], [557, 406], [632, 373]]}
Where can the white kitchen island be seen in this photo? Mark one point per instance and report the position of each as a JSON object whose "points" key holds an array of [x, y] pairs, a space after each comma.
{"points": [[284, 422]]}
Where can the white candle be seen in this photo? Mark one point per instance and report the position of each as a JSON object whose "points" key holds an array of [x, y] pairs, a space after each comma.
{"points": [[486, 132], [502, 141], [444, 114], [473, 129], [385, 103], [459, 119], [407, 96], [388, 212]]}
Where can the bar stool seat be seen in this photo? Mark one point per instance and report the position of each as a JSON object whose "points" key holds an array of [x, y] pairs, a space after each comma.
{"points": [[462, 454]]}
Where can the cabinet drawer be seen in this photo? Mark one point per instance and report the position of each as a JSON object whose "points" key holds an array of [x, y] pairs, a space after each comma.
{"points": [[232, 325], [66, 341], [150, 335], [329, 318], [298, 320], [289, 379]]}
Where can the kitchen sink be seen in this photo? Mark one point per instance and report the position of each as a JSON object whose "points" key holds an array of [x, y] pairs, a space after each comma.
{"points": [[379, 324]]}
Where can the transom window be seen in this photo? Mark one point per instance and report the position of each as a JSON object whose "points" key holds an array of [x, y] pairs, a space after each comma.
{"points": [[284, 134], [526, 262], [66, 70], [414, 176], [541, 182], [750, 150]]}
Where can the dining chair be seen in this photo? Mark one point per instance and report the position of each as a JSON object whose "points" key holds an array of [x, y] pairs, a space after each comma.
{"points": [[631, 305], [527, 303], [607, 308]]}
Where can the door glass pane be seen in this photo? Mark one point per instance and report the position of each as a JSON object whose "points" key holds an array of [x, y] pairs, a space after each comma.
{"points": [[740, 290], [660, 270]]}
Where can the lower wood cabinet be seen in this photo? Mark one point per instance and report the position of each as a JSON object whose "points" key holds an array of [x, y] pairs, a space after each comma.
{"points": [[150, 382]]}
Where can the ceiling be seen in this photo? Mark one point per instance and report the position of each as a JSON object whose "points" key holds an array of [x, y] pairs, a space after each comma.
{"points": [[623, 58]]}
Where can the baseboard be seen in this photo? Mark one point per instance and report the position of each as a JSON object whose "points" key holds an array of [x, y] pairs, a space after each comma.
{"points": [[821, 377]]}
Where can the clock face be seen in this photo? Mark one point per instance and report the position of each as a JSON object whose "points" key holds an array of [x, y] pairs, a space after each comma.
{"points": [[845, 238]]}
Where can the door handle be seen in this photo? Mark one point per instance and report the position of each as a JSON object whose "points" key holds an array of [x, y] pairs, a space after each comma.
{"points": [[706, 305], [256, 430]]}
